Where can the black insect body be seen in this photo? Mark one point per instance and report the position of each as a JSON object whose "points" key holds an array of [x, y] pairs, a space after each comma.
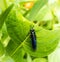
{"points": [[33, 38]]}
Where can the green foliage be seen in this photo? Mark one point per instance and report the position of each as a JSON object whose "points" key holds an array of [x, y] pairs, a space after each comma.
{"points": [[15, 41], [4, 15], [55, 56], [40, 60], [36, 8], [13, 51], [14, 27], [20, 36], [2, 50], [7, 59], [2, 5], [46, 42]]}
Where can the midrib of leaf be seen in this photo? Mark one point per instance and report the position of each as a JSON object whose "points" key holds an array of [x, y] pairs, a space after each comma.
{"points": [[20, 45]]}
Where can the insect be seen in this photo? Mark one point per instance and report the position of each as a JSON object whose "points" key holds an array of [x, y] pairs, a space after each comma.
{"points": [[33, 38]]}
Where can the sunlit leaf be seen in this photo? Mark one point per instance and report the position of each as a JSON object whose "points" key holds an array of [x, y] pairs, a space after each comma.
{"points": [[4, 33], [7, 59], [29, 59], [40, 60], [18, 28], [46, 42], [55, 56], [36, 8], [2, 5], [42, 13]]}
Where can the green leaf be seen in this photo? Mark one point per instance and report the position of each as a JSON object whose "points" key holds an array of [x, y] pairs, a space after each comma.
{"points": [[2, 5], [11, 48], [4, 15], [42, 13], [36, 8], [40, 60], [55, 56], [0, 34], [18, 56], [46, 42], [7, 59], [2, 50], [4, 33], [17, 26], [29, 59]]}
